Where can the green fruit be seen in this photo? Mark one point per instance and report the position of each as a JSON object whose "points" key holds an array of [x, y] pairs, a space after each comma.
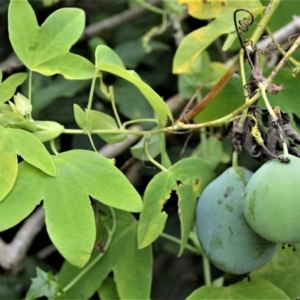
{"points": [[272, 203], [225, 237]]}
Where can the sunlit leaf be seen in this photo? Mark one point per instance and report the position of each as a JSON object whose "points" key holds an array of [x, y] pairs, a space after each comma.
{"points": [[45, 49], [69, 215], [17, 141]]}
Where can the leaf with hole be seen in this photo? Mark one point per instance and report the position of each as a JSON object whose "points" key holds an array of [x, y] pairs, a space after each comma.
{"points": [[188, 178]]}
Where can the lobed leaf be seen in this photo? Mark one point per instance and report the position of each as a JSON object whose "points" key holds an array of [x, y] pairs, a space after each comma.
{"points": [[45, 49]]}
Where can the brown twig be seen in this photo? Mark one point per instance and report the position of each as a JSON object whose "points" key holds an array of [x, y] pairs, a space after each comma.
{"points": [[283, 60]]}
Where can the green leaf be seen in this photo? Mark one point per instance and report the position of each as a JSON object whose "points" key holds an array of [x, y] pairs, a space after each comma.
{"points": [[13, 119], [29, 184], [132, 265], [192, 175], [99, 121], [256, 289], [138, 150], [197, 41], [230, 98], [70, 65], [104, 55], [286, 99], [47, 130], [108, 290], [131, 103], [214, 147], [44, 285], [128, 264], [153, 218], [45, 49], [111, 66], [17, 141], [188, 177], [282, 271], [69, 216], [8, 86]]}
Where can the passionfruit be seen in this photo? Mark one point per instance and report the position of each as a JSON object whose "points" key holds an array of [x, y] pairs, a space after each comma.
{"points": [[225, 236], [272, 201]]}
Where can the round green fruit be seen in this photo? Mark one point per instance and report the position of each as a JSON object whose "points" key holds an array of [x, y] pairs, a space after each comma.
{"points": [[272, 202], [226, 238]]}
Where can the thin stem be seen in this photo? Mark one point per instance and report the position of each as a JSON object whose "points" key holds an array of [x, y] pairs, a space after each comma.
{"points": [[262, 88], [125, 124], [153, 161], [29, 85], [178, 241], [113, 104], [110, 233], [53, 147], [206, 270], [152, 8], [264, 22], [91, 141], [235, 163], [90, 101], [285, 149]]}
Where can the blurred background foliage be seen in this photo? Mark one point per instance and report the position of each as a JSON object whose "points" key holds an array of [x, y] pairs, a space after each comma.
{"points": [[53, 99]]}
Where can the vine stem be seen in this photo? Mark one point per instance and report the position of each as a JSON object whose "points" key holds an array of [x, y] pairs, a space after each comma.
{"points": [[178, 241], [153, 161], [206, 269], [262, 88], [110, 233]]}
